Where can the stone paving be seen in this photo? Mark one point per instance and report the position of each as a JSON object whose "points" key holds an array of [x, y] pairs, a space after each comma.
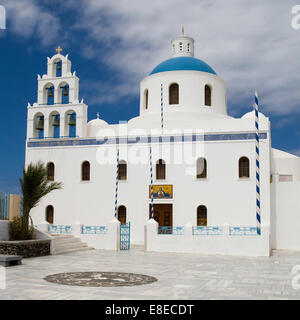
{"points": [[180, 276]]}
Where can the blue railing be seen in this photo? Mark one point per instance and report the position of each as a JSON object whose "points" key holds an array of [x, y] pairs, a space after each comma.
{"points": [[4, 206], [125, 236], [59, 229], [94, 230], [207, 231], [171, 230], [243, 231]]}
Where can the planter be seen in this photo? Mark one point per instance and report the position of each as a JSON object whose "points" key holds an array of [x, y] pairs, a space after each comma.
{"points": [[26, 248]]}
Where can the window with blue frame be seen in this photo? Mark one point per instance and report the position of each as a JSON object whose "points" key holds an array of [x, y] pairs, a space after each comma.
{"points": [[50, 95], [56, 126], [72, 125], [40, 127], [65, 94], [58, 69]]}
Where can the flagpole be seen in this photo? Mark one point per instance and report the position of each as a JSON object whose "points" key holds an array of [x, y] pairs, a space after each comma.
{"points": [[258, 215]]}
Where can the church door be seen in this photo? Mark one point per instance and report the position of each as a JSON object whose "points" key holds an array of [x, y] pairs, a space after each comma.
{"points": [[163, 214]]}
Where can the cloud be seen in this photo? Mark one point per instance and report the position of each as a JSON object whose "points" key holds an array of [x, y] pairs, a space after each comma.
{"points": [[27, 18], [251, 46]]}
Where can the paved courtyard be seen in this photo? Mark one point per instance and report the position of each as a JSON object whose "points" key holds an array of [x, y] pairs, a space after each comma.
{"points": [[180, 276]]}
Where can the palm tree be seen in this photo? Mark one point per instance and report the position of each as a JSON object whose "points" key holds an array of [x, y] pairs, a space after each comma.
{"points": [[35, 185]]}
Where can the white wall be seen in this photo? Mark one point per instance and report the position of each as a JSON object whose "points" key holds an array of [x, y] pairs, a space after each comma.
{"points": [[253, 245], [191, 92], [228, 198], [285, 215]]}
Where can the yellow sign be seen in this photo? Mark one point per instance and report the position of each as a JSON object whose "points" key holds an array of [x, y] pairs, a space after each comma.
{"points": [[161, 191]]}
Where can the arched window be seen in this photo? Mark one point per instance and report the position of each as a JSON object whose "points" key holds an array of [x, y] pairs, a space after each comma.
{"points": [[201, 216], [160, 170], [244, 167], [174, 94], [146, 98], [50, 95], [207, 95], [71, 123], [50, 171], [122, 214], [55, 125], [50, 214], [39, 122], [58, 68], [201, 168], [65, 94], [122, 170], [85, 171]]}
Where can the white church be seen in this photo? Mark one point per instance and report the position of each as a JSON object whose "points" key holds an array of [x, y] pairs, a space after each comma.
{"points": [[184, 174]]}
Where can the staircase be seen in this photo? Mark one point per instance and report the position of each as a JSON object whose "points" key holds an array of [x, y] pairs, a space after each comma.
{"points": [[68, 243]]}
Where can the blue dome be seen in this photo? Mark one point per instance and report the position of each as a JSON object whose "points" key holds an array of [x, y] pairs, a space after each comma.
{"points": [[183, 63]]}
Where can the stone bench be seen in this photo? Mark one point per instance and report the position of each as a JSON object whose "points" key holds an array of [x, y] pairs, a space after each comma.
{"points": [[7, 260]]}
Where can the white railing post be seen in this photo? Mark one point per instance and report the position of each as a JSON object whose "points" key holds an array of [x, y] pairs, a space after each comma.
{"points": [[226, 230], [188, 233], [76, 229], [44, 226], [151, 230], [114, 234]]}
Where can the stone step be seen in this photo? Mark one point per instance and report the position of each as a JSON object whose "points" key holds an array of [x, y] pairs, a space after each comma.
{"points": [[65, 243], [70, 246], [73, 250], [62, 236], [69, 240]]}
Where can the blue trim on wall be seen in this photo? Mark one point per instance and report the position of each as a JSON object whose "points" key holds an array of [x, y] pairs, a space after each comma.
{"points": [[145, 140]]}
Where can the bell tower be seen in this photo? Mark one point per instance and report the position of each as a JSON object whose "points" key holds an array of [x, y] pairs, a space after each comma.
{"points": [[182, 46], [57, 113]]}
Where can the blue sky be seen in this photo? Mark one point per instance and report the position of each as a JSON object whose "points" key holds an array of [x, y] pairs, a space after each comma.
{"points": [[113, 45]]}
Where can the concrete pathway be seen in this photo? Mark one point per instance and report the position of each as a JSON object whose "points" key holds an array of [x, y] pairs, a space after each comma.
{"points": [[180, 276]]}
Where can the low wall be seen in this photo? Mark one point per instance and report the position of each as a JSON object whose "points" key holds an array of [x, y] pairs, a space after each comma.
{"points": [[27, 249], [226, 244], [97, 237], [42, 245], [107, 239]]}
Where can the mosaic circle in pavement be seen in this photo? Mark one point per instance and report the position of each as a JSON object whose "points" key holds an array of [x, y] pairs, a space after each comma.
{"points": [[100, 279]]}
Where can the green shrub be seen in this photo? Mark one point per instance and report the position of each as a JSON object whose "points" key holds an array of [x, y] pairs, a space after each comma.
{"points": [[17, 231]]}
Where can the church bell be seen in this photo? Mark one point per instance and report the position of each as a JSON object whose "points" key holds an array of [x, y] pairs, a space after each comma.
{"points": [[65, 92], [50, 93], [40, 124], [56, 120], [72, 120]]}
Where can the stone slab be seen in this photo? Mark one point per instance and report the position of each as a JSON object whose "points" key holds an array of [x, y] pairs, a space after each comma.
{"points": [[10, 260]]}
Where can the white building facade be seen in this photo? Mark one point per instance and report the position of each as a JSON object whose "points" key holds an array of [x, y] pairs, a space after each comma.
{"points": [[202, 196]]}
